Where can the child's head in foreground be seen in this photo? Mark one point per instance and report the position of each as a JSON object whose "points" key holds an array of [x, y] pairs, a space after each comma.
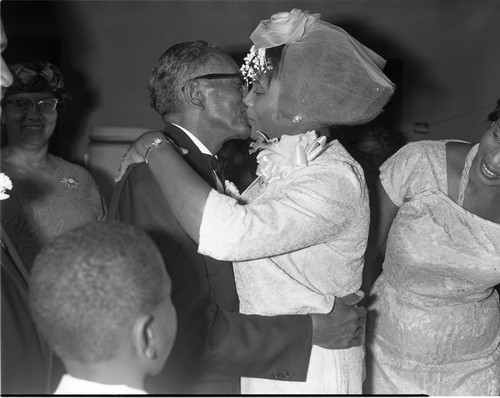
{"points": [[100, 296]]}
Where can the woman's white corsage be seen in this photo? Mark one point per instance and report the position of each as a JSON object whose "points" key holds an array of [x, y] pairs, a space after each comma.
{"points": [[70, 182], [278, 159], [231, 189], [255, 63], [5, 184]]}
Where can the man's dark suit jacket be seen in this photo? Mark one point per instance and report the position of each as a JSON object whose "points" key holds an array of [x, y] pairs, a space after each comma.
{"points": [[215, 345]]}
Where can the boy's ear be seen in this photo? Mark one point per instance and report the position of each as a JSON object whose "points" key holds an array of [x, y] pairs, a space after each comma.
{"points": [[144, 337], [194, 95]]}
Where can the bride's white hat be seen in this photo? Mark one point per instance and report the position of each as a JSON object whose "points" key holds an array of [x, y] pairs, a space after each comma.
{"points": [[326, 76]]}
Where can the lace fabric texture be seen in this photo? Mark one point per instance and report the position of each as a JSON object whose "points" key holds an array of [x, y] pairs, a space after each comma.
{"points": [[434, 327], [297, 244], [39, 210]]}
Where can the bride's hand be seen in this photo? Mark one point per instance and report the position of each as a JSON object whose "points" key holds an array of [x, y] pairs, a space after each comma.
{"points": [[136, 152]]}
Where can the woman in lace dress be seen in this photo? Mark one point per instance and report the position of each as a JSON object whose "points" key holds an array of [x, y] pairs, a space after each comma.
{"points": [[297, 235], [434, 326], [50, 195]]}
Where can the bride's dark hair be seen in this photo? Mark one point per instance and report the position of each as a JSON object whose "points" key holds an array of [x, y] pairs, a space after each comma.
{"points": [[273, 54], [495, 115]]}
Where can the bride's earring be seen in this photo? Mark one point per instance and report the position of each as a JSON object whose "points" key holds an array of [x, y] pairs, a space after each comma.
{"points": [[296, 119]]}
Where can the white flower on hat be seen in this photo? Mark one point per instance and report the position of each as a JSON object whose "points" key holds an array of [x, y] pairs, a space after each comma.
{"points": [[282, 28]]}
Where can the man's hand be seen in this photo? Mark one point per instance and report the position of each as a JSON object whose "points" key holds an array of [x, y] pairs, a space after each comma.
{"points": [[343, 327]]}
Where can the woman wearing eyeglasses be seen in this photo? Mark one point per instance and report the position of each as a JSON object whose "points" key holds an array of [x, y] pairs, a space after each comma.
{"points": [[49, 195], [434, 325]]}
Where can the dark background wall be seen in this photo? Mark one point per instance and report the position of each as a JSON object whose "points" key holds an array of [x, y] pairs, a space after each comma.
{"points": [[444, 54]]}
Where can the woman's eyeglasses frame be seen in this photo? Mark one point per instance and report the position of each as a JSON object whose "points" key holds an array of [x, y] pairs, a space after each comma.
{"points": [[25, 105]]}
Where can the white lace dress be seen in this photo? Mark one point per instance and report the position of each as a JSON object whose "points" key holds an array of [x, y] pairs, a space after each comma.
{"points": [[435, 324], [297, 245]]}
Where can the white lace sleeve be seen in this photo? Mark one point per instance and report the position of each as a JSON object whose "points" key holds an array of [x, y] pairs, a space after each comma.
{"points": [[312, 206], [415, 167]]}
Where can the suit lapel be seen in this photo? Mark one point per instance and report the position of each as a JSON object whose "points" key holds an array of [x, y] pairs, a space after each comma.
{"points": [[197, 160]]}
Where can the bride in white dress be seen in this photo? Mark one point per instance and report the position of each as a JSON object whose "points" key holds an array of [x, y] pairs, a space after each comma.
{"points": [[298, 234]]}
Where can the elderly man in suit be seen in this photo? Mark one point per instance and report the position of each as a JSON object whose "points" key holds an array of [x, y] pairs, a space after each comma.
{"points": [[198, 91]]}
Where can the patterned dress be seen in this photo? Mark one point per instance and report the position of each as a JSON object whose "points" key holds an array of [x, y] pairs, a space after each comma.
{"points": [[434, 327], [296, 245], [36, 211]]}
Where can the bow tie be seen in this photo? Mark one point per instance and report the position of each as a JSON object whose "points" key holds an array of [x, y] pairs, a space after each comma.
{"points": [[216, 164]]}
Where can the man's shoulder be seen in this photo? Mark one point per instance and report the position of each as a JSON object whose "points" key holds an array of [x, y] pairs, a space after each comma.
{"points": [[136, 195], [137, 173]]}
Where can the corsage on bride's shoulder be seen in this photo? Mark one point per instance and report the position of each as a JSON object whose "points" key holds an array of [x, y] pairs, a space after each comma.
{"points": [[261, 143], [231, 189], [278, 158]]}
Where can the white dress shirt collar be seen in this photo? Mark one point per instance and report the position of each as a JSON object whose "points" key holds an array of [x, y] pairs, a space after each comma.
{"points": [[72, 385], [196, 141]]}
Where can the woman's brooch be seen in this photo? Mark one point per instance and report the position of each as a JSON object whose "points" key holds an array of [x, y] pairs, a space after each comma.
{"points": [[70, 182]]}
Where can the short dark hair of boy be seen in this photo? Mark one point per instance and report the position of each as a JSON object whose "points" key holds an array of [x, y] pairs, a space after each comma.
{"points": [[90, 283]]}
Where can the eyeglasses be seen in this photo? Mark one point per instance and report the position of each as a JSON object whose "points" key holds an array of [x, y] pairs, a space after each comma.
{"points": [[217, 76], [45, 106], [160, 300], [213, 76]]}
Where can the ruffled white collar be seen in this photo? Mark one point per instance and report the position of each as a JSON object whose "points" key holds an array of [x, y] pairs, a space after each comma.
{"points": [[278, 158]]}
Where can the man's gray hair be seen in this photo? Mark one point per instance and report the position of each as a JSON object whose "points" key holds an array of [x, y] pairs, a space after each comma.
{"points": [[174, 67]]}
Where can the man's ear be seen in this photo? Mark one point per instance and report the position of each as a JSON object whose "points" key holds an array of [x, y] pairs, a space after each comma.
{"points": [[144, 337], [194, 95]]}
